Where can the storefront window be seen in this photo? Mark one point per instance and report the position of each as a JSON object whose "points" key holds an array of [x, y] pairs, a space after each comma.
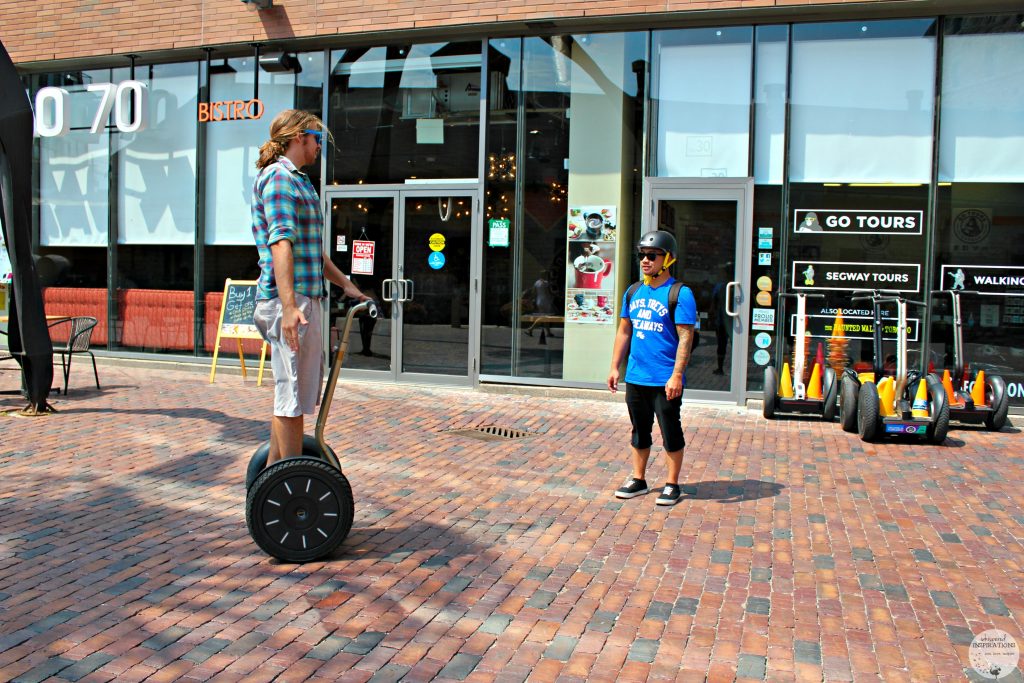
{"points": [[701, 102], [577, 172], [860, 167], [232, 148], [405, 112], [980, 208], [74, 186]]}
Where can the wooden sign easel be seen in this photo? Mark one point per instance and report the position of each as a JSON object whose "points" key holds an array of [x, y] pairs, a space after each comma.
{"points": [[236, 311]]}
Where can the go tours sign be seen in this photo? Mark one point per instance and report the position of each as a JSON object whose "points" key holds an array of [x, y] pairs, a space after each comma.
{"points": [[867, 222]]}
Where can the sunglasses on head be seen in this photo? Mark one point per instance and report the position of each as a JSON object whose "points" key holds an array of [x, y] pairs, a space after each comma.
{"points": [[318, 134], [650, 255]]}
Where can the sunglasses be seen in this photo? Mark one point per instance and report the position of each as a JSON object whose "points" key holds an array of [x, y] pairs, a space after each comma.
{"points": [[650, 255], [318, 134]]}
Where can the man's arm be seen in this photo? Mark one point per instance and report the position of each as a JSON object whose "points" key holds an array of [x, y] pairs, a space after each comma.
{"points": [[619, 351], [284, 276], [674, 386], [334, 274]]}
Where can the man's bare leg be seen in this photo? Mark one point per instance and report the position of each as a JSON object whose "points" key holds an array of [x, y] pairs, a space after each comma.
{"points": [[285, 438], [675, 464], [640, 456]]}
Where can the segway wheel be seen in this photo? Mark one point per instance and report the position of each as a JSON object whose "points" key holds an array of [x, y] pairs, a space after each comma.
{"points": [[868, 420], [996, 420], [258, 461], [771, 383], [848, 395], [299, 509], [939, 427], [828, 409]]}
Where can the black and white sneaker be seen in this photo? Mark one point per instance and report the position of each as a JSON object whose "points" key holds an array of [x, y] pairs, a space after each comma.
{"points": [[669, 495], [632, 488]]}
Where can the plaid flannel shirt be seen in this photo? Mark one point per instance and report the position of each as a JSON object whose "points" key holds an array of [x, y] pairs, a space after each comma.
{"points": [[285, 206]]}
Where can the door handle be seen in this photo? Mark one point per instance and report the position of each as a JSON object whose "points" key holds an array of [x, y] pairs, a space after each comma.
{"points": [[729, 299], [408, 294], [387, 288]]}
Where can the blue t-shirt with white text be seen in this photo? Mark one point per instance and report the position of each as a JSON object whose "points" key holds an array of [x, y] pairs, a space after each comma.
{"points": [[652, 351]]}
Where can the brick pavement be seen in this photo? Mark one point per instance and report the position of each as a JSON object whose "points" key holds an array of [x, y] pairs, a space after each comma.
{"points": [[798, 553]]}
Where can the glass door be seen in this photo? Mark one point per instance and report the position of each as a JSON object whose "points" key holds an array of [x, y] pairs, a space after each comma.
{"points": [[412, 251], [710, 220], [433, 284]]}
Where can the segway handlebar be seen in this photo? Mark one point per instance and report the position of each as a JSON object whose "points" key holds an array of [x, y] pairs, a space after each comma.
{"points": [[955, 291], [793, 295], [370, 308]]}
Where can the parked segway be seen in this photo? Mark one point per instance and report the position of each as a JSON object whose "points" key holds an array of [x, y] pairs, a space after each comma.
{"points": [[301, 508], [905, 405], [792, 395], [988, 401]]}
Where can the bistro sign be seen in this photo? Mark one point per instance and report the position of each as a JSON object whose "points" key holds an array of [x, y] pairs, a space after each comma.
{"points": [[870, 222], [902, 277], [230, 110]]}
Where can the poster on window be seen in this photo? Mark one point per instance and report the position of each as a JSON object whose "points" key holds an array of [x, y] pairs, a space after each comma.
{"points": [[590, 265], [362, 257]]}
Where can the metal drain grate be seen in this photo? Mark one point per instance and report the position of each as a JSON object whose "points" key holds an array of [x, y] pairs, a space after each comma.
{"points": [[491, 433]]}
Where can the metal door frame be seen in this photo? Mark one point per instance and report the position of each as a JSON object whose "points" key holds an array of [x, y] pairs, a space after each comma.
{"points": [[740, 190], [398, 193]]}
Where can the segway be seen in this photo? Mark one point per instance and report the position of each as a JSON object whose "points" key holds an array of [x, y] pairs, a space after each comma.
{"points": [[894, 406], [775, 401], [301, 508], [987, 403]]}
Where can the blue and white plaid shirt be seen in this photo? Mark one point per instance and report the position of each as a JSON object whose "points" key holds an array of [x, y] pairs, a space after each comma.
{"points": [[285, 206]]}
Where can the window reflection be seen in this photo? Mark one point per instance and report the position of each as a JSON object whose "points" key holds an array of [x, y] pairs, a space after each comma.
{"points": [[404, 112]]}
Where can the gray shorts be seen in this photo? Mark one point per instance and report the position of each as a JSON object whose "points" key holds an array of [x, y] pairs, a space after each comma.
{"points": [[298, 376]]}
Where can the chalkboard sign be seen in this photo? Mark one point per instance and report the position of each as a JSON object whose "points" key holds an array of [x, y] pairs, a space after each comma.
{"points": [[236, 310]]}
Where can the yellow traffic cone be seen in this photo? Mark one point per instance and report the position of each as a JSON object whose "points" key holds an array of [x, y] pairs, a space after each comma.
{"points": [[785, 382], [886, 397], [814, 386], [978, 390], [919, 408], [947, 384]]}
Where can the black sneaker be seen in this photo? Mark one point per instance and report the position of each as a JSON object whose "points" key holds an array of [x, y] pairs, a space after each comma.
{"points": [[632, 488], [669, 495]]}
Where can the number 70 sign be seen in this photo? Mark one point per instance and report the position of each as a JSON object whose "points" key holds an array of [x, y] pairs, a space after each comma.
{"points": [[127, 100]]}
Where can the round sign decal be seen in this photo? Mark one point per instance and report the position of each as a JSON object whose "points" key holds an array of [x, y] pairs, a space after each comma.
{"points": [[436, 242], [764, 283], [761, 357], [764, 299], [763, 340], [436, 260]]}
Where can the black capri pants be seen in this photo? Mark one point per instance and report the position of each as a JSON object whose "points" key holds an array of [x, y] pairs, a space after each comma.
{"points": [[644, 403]]}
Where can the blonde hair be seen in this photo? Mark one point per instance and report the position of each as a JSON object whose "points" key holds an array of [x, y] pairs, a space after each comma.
{"points": [[286, 126]]}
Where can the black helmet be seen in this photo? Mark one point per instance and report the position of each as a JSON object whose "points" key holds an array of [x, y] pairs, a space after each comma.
{"points": [[658, 239]]}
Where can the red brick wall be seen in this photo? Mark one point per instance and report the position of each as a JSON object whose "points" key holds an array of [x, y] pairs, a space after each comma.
{"points": [[42, 30]]}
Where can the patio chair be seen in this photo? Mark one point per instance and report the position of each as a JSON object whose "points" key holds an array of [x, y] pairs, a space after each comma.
{"points": [[78, 342]]}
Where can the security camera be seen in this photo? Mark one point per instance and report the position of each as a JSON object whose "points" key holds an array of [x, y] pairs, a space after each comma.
{"points": [[260, 4]]}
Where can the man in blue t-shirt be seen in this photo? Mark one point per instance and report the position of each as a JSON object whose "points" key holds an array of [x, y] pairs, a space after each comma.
{"points": [[659, 350]]}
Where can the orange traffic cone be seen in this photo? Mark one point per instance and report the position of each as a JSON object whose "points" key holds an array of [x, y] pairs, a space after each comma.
{"points": [[814, 386], [785, 382], [886, 397], [947, 384], [978, 390], [919, 408]]}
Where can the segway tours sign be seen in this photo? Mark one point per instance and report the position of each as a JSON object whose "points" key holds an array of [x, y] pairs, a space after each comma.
{"points": [[902, 277], [988, 280]]}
